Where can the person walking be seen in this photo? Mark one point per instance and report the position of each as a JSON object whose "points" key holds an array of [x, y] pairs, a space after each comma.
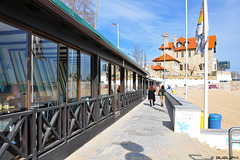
{"points": [[151, 95], [162, 94]]}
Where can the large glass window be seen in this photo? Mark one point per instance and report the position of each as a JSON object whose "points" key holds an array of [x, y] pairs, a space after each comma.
{"points": [[63, 70], [113, 80], [73, 65], [13, 68], [137, 81], [126, 80], [104, 79], [86, 85], [44, 71], [118, 80], [129, 81]]}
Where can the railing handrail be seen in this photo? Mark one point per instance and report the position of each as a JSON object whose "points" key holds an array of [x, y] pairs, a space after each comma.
{"points": [[231, 141], [74, 118]]}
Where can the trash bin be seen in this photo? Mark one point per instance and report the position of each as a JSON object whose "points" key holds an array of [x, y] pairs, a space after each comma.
{"points": [[214, 121], [202, 120]]}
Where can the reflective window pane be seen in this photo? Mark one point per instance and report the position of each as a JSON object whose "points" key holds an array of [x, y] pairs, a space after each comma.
{"points": [[104, 79], [73, 65], [129, 81], [86, 89], [137, 81], [63, 64], [44, 71], [118, 80], [113, 80], [126, 80], [13, 68]]}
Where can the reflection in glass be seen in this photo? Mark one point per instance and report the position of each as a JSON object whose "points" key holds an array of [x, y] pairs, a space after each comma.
{"points": [[118, 81], [86, 89], [104, 80], [131, 82], [113, 80], [63, 56], [13, 68], [73, 64], [126, 80], [137, 80], [44, 71]]}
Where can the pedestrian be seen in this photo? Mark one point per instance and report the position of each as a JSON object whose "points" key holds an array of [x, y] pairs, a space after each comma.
{"points": [[151, 95], [162, 94]]}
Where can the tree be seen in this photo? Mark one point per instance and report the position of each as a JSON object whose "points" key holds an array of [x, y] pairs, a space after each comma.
{"points": [[137, 53], [83, 8], [191, 69]]}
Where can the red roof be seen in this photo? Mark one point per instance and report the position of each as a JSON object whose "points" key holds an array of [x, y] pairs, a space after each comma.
{"points": [[192, 43], [167, 58], [157, 67]]}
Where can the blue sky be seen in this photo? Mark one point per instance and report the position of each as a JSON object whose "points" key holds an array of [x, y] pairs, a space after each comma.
{"points": [[144, 21]]}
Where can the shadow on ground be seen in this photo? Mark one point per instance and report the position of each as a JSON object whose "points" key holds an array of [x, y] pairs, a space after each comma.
{"points": [[134, 149]]}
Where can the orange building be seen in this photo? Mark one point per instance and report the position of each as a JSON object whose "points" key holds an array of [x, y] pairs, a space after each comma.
{"points": [[175, 56]]}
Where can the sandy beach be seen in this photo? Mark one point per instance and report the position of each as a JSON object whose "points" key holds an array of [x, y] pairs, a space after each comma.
{"points": [[226, 103]]}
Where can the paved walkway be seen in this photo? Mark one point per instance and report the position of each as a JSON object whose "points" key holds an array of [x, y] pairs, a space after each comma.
{"points": [[144, 133]]}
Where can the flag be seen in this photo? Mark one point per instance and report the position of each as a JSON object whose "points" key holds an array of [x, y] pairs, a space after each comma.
{"points": [[200, 32]]}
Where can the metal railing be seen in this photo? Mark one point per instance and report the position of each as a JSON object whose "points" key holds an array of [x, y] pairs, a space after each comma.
{"points": [[231, 141], [32, 133]]}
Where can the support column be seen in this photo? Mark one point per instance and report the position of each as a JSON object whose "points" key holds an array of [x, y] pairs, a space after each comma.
{"points": [[144, 87], [134, 80], [122, 80], [95, 76]]}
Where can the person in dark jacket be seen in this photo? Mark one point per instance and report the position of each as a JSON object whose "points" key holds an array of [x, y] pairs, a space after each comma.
{"points": [[162, 94], [151, 95]]}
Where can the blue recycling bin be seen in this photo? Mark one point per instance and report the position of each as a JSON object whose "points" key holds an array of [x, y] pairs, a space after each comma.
{"points": [[214, 121]]}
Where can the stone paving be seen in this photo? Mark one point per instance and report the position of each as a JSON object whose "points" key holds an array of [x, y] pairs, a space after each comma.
{"points": [[145, 133]]}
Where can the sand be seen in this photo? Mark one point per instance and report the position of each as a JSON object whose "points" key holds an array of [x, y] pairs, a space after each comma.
{"points": [[226, 103]]}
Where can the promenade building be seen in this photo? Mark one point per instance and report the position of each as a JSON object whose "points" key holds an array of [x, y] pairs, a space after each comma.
{"points": [[61, 81]]}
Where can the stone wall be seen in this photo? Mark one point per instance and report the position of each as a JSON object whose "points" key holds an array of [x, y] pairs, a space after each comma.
{"points": [[194, 61]]}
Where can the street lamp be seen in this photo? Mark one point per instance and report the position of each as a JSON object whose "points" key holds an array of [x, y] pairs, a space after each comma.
{"points": [[164, 59], [114, 24]]}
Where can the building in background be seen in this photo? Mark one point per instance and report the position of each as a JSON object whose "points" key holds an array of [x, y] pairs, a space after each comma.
{"points": [[176, 51], [223, 65], [172, 64]]}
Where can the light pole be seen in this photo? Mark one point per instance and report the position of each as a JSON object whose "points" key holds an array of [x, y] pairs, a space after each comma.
{"points": [[164, 59], [114, 24], [186, 45]]}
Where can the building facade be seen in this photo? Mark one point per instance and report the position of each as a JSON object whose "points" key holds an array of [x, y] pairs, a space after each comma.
{"points": [[177, 51]]}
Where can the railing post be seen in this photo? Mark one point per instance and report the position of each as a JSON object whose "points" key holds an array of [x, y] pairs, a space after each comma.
{"points": [[65, 123], [84, 115], [33, 133], [97, 109], [230, 143]]}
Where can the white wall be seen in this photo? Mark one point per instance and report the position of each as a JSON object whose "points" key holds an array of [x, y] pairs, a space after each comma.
{"points": [[181, 82]]}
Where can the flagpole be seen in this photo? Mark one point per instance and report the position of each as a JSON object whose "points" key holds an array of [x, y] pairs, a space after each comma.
{"points": [[186, 45], [205, 11]]}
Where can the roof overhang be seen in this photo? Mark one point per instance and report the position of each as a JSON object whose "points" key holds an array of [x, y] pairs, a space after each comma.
{"points": [[57, 10]]}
